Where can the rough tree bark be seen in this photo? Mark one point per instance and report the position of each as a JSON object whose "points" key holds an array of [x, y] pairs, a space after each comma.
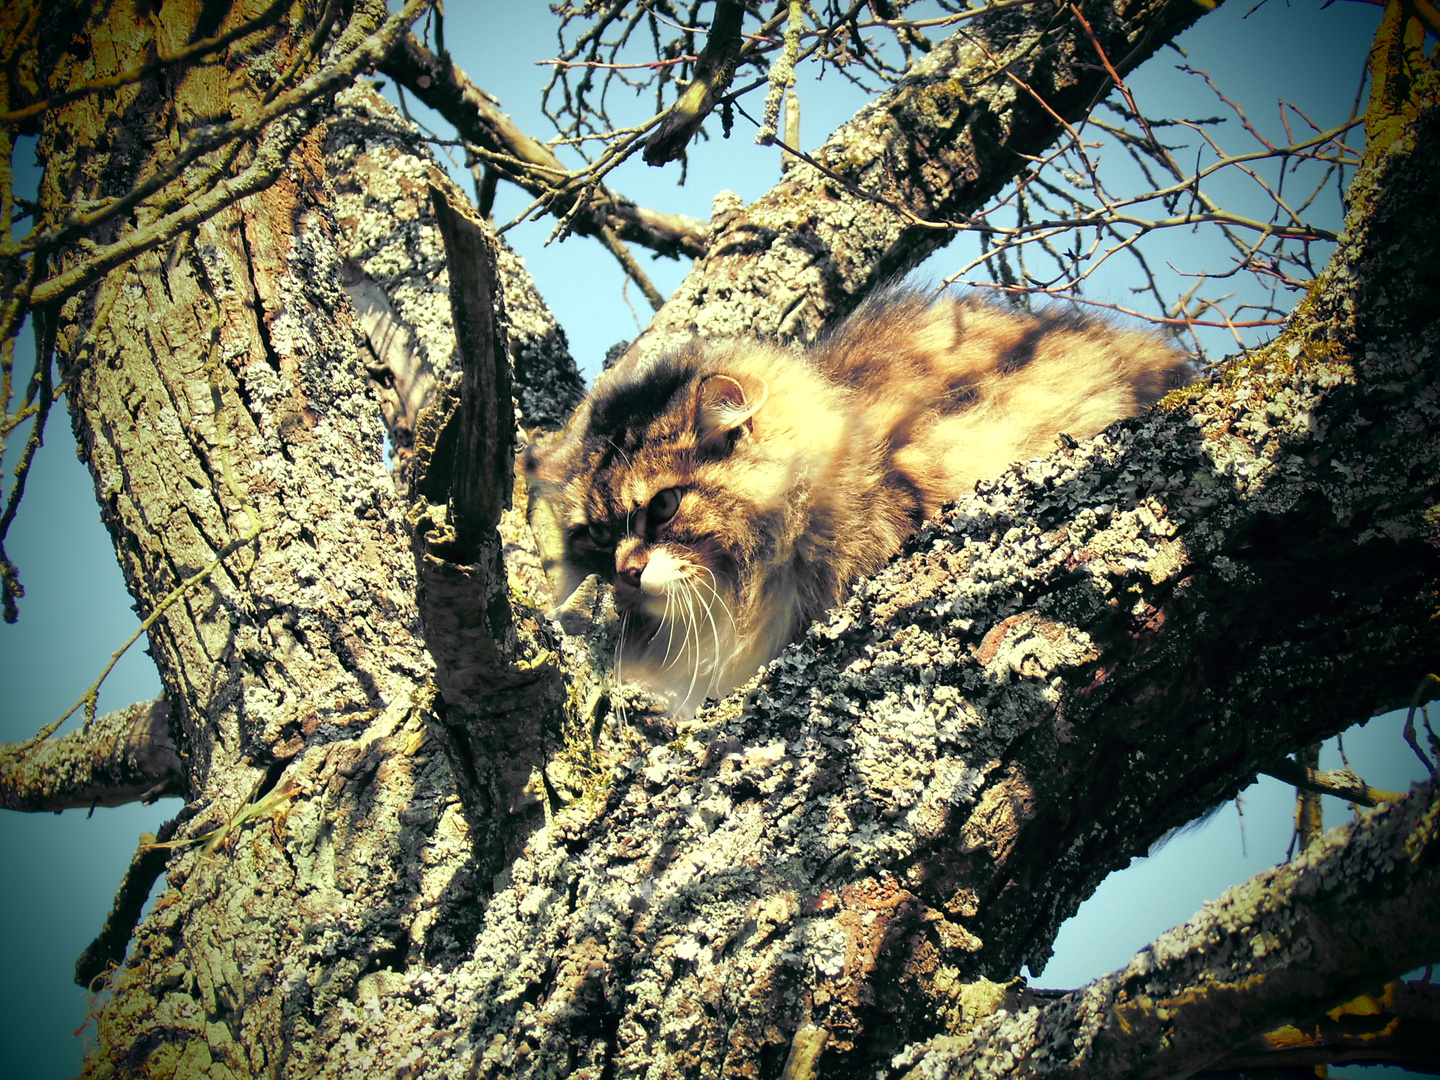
{"points": [[849, 859]]}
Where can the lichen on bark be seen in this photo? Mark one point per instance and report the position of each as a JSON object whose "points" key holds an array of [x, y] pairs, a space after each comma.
{"points": [[851, 857]]}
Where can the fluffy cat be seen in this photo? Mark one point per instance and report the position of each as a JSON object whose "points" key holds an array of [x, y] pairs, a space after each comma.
{"points": [[732, 490]]}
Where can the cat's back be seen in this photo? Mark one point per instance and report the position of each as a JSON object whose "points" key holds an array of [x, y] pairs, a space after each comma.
{"points": [[959, 388]]}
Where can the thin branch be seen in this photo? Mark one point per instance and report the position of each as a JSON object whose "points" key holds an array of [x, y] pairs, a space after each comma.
{"points": [[782, 74], [270, 161], [271, 158], [617, 248], [529, 163], [1339, 783], [1425, 692], [714, 69], [10, 587], [366, 54]]}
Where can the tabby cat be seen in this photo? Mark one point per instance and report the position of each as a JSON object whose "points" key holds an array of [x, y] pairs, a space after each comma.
{"points": [[732, 490]]}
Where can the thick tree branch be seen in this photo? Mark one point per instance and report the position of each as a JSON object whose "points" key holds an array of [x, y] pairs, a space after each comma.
{"points": [[1340, 919], [121, 757], [107, 950], [526, 161]]}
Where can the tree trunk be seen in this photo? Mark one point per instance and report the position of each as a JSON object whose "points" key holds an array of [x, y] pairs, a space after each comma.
{"points": [[824, 870]]}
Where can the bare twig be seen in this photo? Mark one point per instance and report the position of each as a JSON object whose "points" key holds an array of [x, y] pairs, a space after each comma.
{"points": [[1423, 693], [91, 695], [490, 134], [365, 54]]}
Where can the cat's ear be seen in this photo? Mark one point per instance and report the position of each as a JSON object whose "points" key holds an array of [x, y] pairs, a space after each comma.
{"points": [[725, 405]]}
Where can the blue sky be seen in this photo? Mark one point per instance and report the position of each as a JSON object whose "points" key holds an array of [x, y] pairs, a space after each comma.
{"points": [[62, 870]]}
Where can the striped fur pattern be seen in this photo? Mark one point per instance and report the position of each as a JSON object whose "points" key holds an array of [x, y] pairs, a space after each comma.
{"points": [[732, 491]]}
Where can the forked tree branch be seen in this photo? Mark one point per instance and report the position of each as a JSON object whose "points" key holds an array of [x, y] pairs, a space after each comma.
{"points": [[526, 161], [1051, 675]]}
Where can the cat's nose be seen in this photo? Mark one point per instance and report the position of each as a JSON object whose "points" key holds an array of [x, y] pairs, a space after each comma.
{"points": [[630, 560]]}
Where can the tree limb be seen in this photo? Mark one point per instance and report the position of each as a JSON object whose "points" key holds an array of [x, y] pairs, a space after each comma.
{"points": [[504, 692], [1341, 783], [713, 71], [122, 757], [1398, 1024], [482, 467], [107, 950], [1340, 919], [526, 161]]}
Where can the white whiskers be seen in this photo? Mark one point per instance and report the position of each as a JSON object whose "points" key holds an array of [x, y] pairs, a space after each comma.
{"points": [[686, 656]]}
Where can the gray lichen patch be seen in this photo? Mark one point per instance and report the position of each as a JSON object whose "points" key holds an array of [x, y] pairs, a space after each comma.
{"points": [[1234, 969]]}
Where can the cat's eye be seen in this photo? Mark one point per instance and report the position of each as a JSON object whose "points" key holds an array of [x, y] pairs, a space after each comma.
{"points": [[600, 534], [663, 506]]}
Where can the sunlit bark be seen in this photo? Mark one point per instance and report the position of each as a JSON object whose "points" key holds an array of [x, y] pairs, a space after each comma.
{"points": [[852, 858]]}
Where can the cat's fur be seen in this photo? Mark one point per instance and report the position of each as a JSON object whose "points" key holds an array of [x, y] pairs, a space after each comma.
{"points": [[798, 473]]}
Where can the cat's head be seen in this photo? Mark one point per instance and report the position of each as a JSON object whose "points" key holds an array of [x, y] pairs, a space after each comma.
{"points": [[676, 482]]}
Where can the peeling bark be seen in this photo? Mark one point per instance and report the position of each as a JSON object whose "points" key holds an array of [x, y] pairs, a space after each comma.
{"points": [[503, 692]]}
